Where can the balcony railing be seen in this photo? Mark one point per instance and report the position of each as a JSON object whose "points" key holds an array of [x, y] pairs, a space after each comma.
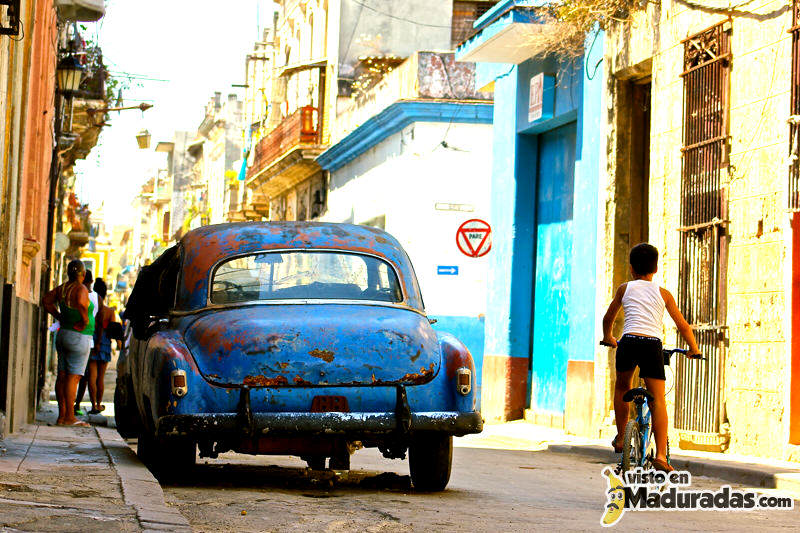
{"points": [[301, 127]]}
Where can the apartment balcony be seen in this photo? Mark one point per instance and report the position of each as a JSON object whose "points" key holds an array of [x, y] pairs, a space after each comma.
{"points": [[255, 208], [286, 155]]}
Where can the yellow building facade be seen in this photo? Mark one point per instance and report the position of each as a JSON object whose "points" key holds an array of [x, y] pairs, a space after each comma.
{"points": [[698, 100]]}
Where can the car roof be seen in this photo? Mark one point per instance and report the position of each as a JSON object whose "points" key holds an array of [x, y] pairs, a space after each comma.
{"points": [[205, 247]]}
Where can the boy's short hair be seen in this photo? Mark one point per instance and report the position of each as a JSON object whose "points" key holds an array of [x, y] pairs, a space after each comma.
{"points": [[644, 259]]}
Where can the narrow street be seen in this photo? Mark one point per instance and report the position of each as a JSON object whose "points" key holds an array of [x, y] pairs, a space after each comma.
{"points": [[490, 490], [528, 245]]}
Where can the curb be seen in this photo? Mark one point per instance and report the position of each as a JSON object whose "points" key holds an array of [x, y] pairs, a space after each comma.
{"points": [[139, 487], [750, 475]]}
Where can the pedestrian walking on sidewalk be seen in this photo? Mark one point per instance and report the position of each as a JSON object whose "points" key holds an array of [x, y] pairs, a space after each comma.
{"points": [[70, 305], [100, 355]]}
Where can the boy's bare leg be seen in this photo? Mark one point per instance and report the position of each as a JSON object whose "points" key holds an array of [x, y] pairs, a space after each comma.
{"points": [[658, 408], [621, 386]]}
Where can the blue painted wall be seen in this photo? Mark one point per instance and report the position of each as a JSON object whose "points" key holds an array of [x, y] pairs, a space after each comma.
{"points": [[542, 301], [470, 331], [588, 169], [508, 319]]}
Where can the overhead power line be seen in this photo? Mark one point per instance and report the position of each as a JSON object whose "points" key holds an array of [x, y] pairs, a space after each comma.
{"points": [[135, 76], [396, 17]]}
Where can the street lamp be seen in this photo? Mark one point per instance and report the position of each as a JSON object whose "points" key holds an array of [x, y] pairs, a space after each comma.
{"points": [[69, 73], [143, 138]]}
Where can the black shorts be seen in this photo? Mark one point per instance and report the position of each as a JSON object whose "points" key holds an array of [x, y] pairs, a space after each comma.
{"points": [[644, 352]]}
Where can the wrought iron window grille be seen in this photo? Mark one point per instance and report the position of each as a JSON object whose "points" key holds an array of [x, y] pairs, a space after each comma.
{"points": [[699, 407]]}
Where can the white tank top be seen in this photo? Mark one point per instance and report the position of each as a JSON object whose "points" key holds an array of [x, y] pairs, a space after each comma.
{"points": [[644, 308]]}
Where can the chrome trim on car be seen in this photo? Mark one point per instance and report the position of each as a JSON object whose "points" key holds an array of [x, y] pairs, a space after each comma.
{"points": [[213, 425]]}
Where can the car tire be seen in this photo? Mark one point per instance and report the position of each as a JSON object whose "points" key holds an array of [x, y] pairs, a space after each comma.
{"points": [[167, 459], [430, 457], [316, 463], [340, 461], [126, 416]]}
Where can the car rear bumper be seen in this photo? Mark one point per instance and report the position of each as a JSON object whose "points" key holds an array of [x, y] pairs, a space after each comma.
{"points": [[331, 423]]}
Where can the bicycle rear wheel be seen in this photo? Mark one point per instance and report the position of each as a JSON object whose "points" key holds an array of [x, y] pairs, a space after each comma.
{"points": [[631, 446]]}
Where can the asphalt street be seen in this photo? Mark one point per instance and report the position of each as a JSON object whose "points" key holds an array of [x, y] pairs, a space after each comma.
{"points": [[490, 490]]}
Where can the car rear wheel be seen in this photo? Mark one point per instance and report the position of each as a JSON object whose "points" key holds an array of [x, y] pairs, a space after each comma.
{"points": [[430, 457], [126, 416], [316, 463], [167, 459], [340, 461]]}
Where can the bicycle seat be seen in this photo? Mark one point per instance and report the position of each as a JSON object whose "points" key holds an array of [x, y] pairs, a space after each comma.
{"points": [[637, 395]]}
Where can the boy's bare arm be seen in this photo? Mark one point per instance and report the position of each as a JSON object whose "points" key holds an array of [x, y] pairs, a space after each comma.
{"points": [[611, 315], [683, 326]]}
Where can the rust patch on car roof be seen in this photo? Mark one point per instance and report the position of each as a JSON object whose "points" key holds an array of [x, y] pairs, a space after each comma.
{"points": [[203, 247], [325, 355]]}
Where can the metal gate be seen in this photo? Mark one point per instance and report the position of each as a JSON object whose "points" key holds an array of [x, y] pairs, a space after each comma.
{"points": [[703, 242]]}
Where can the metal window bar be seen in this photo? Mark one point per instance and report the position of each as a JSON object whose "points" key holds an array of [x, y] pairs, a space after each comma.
{"points": [[703, 253], [794, 125]]}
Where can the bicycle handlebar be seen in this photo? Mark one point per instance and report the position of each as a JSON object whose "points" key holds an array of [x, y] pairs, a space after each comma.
{"points": [[683, 351], [668, 352]]}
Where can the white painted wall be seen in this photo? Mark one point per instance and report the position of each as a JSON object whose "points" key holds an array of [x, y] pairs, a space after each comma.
{"points": [[403, 177]]}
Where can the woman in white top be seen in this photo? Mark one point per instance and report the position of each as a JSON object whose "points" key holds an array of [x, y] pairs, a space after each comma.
{"points": [[644, 303]]}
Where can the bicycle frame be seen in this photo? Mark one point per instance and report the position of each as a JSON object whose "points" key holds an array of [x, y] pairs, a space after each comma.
{"points": [[645, 430]]}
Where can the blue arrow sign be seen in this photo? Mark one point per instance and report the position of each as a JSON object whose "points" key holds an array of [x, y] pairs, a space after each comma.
{"points": [[445, 270]]}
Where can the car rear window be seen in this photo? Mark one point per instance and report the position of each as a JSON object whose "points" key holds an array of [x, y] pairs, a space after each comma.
{"points": [[304, 275]]}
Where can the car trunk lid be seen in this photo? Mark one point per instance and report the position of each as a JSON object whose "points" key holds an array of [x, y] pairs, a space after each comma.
{"points": [[313, 345]]}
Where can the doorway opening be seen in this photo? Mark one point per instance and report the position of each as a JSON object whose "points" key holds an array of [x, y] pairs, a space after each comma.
{"points": [[632, 105]]}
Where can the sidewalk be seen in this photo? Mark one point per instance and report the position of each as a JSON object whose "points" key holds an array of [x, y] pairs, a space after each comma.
{"points": [[748, 471], [78, 479]]}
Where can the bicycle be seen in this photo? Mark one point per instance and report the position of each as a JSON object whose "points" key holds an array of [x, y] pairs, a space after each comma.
{"points": [[638, 448]]}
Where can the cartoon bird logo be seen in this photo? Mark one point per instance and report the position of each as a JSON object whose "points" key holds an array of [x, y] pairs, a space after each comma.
{"points": [[615, 507]]}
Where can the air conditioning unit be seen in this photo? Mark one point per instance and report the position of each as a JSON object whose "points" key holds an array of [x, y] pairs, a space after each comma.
{"points": [[81, 10]]}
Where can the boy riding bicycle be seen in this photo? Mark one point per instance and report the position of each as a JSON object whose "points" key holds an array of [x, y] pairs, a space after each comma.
{"points": [[640, 345]]}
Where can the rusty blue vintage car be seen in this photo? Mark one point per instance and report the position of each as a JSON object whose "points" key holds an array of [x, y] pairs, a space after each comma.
{"points": [[297, 338]]}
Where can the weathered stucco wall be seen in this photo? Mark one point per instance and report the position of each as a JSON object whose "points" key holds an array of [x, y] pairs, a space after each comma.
{"points": [[757, 367]]}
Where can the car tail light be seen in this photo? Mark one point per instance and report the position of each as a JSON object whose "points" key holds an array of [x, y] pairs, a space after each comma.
{"points": [[178, 382], [464, 380]]}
